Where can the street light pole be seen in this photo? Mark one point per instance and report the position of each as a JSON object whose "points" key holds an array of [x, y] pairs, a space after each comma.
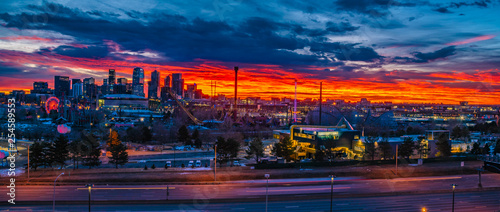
{"points": [[54, 197], [453, 202], [267, 185], [215, 163], [89, 186], [331, 194], [479, 170]]}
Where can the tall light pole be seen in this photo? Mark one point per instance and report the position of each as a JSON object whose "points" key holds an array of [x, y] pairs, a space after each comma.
{"points": [[320, 100], [396, 159], [295, 104], [89, 186], [267, 186], [479, 170], [54, 197], [331, 193], [453, 202], [215, 163], [236, 92]]}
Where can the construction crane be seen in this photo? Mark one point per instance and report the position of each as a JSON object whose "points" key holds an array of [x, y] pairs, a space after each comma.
{"points": [[195, 120]]}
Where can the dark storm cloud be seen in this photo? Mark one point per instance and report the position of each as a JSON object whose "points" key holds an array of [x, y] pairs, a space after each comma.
{"points": [[254, 40], [87, 52], [442, 53], [443, 10], [375, 8]]}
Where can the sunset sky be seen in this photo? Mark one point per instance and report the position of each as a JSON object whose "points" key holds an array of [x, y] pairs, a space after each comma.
{"points": [[382, 50]]}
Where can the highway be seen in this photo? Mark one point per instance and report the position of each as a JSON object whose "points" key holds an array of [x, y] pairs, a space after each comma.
{"points": [[248, 189], [467, 201], [305, 194]]}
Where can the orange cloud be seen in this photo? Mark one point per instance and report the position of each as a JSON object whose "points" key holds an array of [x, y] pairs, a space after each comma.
{"points": [[267, 81]]}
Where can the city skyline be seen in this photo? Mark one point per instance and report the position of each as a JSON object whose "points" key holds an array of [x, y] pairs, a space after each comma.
{"points": [[440, 52]]}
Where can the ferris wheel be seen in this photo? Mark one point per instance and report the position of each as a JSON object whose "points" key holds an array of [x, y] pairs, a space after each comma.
{"points": [[52, 103]]}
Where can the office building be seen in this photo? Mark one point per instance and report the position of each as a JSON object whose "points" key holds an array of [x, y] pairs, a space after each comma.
{"points": [[89, 88], [138, 82], [154, 85], [178, 85], [122, 81], [112, 77], [77, 89], [41, 88], [61, 86]]}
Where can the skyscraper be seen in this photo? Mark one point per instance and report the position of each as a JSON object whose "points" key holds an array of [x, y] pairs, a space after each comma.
{"points": [[112, 77], [89, 88], [178, 85], [74, 81], [167, 81], [41, 88], [138, 82], [77, 89], [122, 81], [166, 89], [154, 85], [61, 86]]}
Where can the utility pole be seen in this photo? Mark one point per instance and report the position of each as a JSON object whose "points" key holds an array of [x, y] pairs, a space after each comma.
{"points": [[54, 199], [235, 92], [320, 100], [295, 104], [215, 164], [396, 160], [267, 186]]}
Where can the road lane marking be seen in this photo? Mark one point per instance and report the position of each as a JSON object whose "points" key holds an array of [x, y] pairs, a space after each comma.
{"points": [[427, 178], [143, 188], [301, 189]]}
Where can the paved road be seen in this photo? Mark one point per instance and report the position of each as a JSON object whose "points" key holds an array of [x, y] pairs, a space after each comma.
{"points": [[256, 189], [468, 201]]}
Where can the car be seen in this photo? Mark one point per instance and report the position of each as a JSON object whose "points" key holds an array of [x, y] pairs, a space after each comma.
{"points": [[236, 163], [307, 160], [168, 163], [191, 163], [198, 163]]}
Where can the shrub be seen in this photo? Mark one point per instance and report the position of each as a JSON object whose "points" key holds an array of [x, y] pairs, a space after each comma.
{"points": [[145, 167], [182, 166], [153, 166]]}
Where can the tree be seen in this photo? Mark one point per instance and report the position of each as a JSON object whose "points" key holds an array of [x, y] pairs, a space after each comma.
{"points": [[75, 149], [284, 148], [36, 155], [60, 153], [460, 132], [146, 134], [227, 149], [91, 151], [486, 149], [406, 148], [385, 149], [255, 149], [183, 135], [48, 154], [443, 146], [497, 147], [370, 148], [196, 138], [119, 155], [476, 150]]}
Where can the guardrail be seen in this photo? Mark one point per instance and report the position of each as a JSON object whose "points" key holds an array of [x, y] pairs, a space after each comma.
{"points": [[489, 158]]}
